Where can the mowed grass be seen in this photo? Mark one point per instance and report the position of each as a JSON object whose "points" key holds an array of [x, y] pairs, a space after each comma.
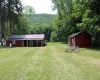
{"points": [[49, 63]]}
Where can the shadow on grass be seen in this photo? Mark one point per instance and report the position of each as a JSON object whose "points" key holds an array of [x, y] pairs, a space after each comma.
{"points": [[4, 47], [7, 47], [91, 48], [95, 48], [58, 42], [63, 42]]}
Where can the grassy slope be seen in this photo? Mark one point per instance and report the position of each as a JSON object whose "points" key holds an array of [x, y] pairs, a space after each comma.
{"points": [[49, 63]]}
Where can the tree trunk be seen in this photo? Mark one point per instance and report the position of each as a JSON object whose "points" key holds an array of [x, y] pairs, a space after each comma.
{"points": [[9, 10], [2, 29], [0, 22], [10, 24]]}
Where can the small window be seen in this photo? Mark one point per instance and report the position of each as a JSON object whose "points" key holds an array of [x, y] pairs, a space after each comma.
{"points": [[13, 41]]}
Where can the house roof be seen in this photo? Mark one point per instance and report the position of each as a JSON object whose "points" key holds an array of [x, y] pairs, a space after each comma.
{"points": [[75, 34], [27, 37]]}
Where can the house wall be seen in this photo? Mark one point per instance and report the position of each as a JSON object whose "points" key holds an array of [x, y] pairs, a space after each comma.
{"points": [[8, 43], [19, 43], [83, 40]]}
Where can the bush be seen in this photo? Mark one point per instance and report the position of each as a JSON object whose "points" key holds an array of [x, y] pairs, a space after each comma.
{"points": [[53, 36]]}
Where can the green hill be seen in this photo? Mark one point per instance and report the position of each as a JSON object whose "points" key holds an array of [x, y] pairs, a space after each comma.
{"points": [[41, 20], [41, 24]]}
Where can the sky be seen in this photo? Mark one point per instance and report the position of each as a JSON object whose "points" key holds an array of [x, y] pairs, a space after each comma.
{"points": [[40, 6]]}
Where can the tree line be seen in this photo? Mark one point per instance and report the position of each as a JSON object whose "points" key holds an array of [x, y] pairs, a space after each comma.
{"points": [[10, 12], [77, 15]]}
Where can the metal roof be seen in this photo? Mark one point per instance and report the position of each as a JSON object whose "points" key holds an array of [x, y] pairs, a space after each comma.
{"points": [[27, 37], [75, 34]]}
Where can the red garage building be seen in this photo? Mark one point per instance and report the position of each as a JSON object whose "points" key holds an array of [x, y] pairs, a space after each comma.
{"points": [[26, 40], [81, 39]]}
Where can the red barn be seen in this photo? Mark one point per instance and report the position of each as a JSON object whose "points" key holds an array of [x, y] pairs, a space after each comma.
{"points": [[26, 40], [81, 39]]}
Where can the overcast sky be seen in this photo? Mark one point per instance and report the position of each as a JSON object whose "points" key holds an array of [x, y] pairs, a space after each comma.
{"points": [[40, 6]]}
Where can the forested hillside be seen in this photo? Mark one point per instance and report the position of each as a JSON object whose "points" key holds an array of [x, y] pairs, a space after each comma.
{"points": [[41, 24], [38, 19]]}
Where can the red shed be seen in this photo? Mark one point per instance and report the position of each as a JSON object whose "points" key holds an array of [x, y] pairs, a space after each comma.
{"points": [[26, 40], [81, 39]]}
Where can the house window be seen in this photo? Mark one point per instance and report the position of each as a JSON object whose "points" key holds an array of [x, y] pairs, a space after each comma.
{"points": [[13, 41]]}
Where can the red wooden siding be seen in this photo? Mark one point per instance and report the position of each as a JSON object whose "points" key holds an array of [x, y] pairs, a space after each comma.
{"points": [[17, 44], [8, 43], [81, 40]]}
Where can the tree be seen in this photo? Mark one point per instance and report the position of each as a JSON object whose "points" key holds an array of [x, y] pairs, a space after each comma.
{"points": [[78, 15], [53, 36], [28, 10], [10, 12], [64, 18]]}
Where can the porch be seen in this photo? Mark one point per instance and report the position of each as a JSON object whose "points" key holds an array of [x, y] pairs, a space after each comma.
{"points": [[33, 43]]}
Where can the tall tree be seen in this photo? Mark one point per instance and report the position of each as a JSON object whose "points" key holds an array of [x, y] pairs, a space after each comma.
{"points": [[10, 12], [64, 8]]}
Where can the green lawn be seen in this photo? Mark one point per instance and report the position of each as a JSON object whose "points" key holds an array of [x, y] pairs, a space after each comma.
{"points": [[49, 63]]}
